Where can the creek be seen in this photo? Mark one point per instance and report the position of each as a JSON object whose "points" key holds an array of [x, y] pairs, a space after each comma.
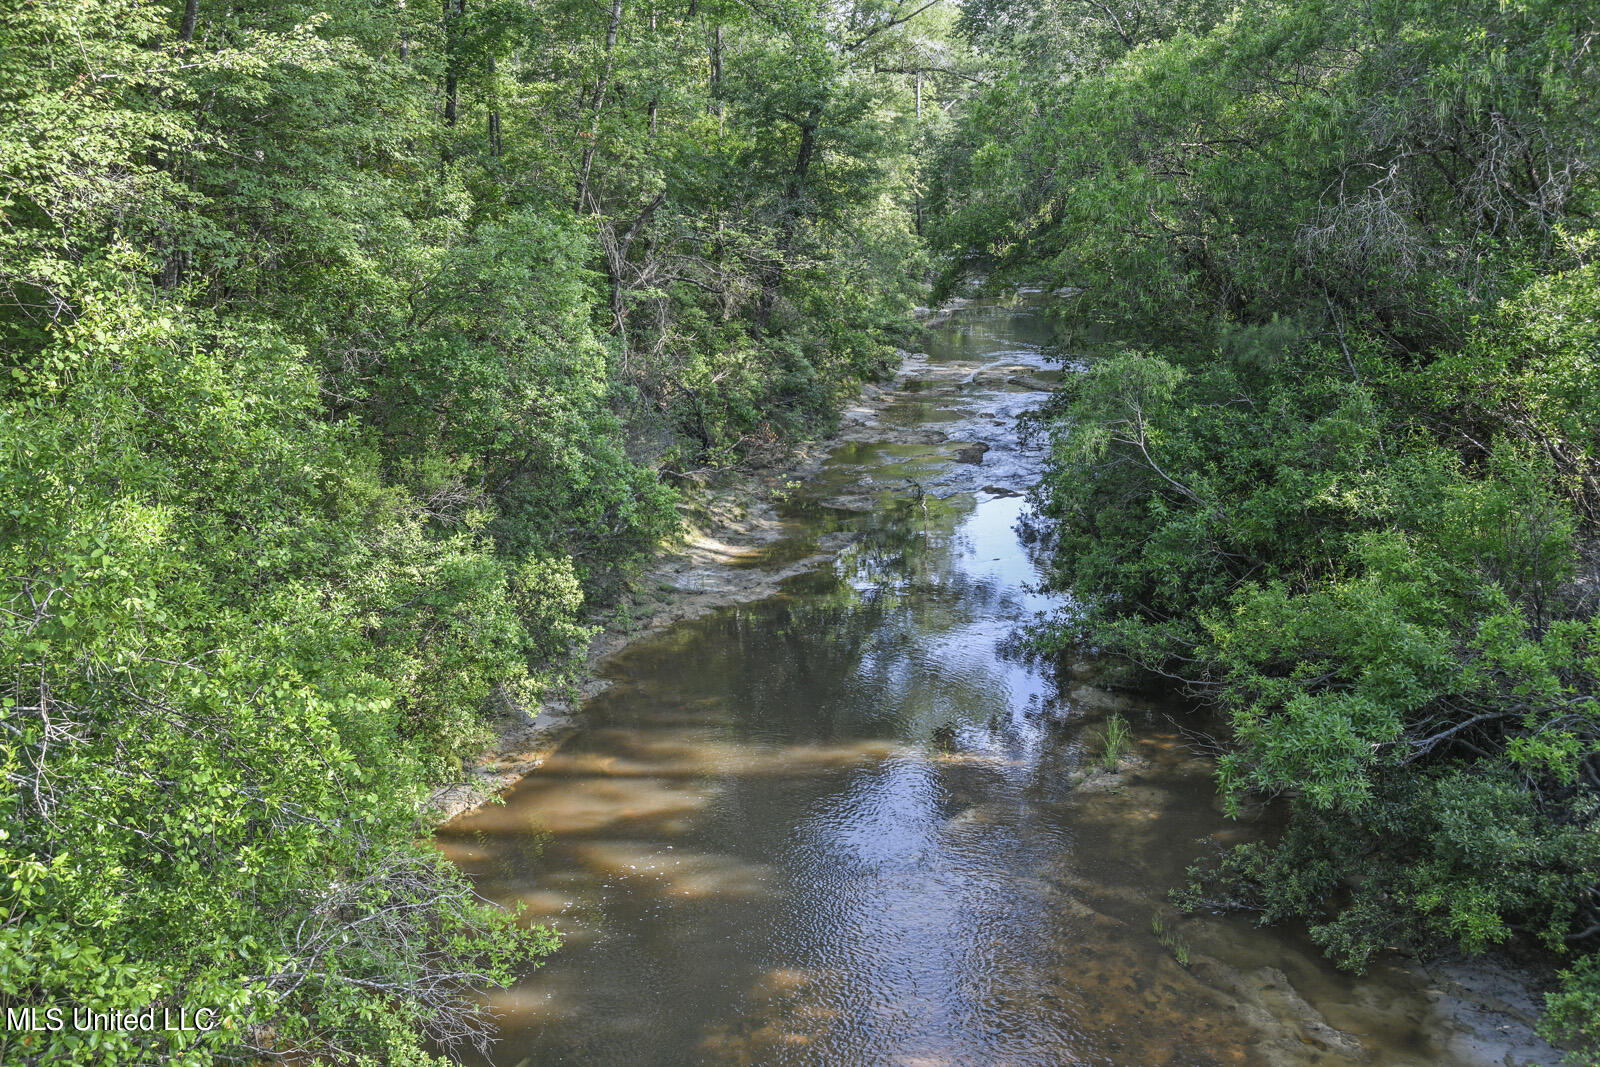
{"points": [[849, 824]]}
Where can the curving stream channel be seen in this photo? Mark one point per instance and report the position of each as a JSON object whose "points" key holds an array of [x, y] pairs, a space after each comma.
{"points": [[845, 825]]}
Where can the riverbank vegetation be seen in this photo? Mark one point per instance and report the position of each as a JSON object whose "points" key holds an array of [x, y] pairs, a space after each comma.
{"points": [[1334, 465], [352, 352]]}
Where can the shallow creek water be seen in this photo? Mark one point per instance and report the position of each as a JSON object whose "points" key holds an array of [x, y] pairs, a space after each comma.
{"points": [[845, 825]]}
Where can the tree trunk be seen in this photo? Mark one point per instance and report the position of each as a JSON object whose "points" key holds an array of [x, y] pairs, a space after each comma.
{"points": [[617, 262], [794, 196], [601, 85], [654, 102], [716, 70], [919, 119], [452, 92], [191, 14], [495, 146]]}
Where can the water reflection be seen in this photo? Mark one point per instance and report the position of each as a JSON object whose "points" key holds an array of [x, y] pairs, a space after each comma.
{"points": [[841, 826]]}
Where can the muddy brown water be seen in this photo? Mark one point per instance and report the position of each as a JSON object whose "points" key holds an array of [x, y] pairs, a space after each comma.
{"points": [[848, 825]]}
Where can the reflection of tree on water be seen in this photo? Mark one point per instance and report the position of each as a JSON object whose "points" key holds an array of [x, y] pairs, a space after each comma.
{"points": [[855, 650], [979, 332]]}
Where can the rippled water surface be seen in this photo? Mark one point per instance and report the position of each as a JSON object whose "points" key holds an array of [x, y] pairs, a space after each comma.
{"points": [[845, 826]]}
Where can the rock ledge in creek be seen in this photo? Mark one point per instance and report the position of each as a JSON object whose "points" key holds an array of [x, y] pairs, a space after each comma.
{"points": [[970, 452], [1266, 1001]]}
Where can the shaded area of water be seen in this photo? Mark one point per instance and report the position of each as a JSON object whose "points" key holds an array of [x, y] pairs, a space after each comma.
{"points": [[845, 826]]}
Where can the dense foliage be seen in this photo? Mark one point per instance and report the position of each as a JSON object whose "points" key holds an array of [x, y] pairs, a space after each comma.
{"points": [[352, 352], [346, 346], [1335, 465]]}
